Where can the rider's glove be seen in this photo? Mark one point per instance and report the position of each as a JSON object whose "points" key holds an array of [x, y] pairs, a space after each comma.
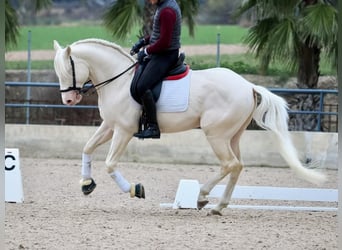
{"points": [[142, 55], [136, 47]]}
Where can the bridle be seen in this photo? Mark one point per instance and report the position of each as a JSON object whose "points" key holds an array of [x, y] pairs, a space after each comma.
{"points": [[84, 89]]}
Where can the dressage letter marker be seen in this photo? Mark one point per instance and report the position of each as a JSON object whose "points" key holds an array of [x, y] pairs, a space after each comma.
{"points": [[13, 182]]}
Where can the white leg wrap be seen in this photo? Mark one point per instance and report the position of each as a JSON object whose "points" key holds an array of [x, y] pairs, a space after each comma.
{"points": [[86, 166], [124, 185]]}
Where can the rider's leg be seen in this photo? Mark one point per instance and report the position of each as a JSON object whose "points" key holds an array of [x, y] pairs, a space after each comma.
{"points": [[155, 70], [152, 130]]}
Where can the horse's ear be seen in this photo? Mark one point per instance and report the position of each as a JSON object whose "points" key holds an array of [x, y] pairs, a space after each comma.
{"points": [[56, 45], [68, 51]]}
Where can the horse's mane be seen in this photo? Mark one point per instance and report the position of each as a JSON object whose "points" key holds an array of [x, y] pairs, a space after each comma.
{"points": [[64, 69], [104, 43]]}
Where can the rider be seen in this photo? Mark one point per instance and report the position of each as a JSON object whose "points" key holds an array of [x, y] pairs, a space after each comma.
{"points": [[159, 55]]}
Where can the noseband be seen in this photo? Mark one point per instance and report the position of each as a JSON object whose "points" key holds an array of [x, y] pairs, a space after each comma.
{"points": [[84, 88]]}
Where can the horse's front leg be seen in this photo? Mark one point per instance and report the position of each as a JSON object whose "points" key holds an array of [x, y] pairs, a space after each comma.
{"points": [[119, 143], [102, 135]]}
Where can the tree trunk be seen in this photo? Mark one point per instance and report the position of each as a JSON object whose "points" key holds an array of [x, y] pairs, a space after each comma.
{"points": [[264, 64], [308, 68], [307, 77], [148, 13], [303, 102]]}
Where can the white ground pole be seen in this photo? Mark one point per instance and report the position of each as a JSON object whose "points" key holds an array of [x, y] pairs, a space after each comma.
{"points": [[2, 123], [188, 190]]}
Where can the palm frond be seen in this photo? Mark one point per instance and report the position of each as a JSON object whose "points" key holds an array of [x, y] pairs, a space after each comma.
{"points": [[189, 9], [41, 4], [274, 39], [122, 17], [281, 9], [267, 8], [245, 7], [11, 25], [258, 35], [283, 38], [319, 24], [284, 43]]}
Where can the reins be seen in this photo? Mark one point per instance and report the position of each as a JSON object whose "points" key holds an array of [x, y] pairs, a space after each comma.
{"points": [[85, 89]]}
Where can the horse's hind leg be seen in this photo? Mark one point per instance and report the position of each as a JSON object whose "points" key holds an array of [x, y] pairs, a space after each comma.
{"points": [[229, 164], [224, 201], [236, 168]]}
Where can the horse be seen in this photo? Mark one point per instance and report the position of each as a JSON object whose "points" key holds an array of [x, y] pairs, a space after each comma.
{"points": [[221, 103]]}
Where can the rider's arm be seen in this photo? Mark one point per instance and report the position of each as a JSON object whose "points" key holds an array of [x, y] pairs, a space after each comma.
{"points": [[167, 20]]}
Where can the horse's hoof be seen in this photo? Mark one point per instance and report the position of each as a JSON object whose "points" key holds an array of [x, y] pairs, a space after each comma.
{"points": [[215, 212], [138, 190], [88, 186], [201, 204]]}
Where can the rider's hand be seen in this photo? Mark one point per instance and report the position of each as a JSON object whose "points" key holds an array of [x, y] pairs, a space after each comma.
{"points": [[141, 56], [136, 47]]}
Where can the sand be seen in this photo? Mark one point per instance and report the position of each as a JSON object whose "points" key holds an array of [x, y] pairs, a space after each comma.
{"points": [[56, 215]]}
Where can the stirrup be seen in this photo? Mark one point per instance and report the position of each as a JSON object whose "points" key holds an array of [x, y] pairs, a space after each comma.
{"points": [[152, 131]]}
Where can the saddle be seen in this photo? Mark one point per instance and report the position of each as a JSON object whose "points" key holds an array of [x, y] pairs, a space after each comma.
{"points": [[178, 71]]}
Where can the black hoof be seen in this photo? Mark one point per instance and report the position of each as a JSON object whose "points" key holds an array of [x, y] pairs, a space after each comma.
{"points": [[201, 204], [139, 191], [88, 188], [215, 212]]}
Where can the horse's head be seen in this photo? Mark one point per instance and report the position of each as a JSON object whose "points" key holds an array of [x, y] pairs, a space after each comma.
{"points": [[72, 73]]}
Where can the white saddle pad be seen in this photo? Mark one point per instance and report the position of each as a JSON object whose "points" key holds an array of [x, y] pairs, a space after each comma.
{"points": [[174, 95]]}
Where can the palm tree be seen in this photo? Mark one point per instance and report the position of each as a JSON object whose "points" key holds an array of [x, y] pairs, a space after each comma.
{"points": [[124, 15], [296, 32], [12, 22]]}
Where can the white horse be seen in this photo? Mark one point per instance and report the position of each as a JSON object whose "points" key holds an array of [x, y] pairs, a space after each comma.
{"points": [[221, 103]]}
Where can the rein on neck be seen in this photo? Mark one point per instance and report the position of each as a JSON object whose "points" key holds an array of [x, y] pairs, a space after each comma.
{"points": [[84, 88]]}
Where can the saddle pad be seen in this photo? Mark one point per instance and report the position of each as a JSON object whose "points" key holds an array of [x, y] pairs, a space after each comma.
{"points": [[174, 95]]}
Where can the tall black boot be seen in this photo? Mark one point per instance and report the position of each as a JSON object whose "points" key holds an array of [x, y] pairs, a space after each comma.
{"points": [[152, 130]]}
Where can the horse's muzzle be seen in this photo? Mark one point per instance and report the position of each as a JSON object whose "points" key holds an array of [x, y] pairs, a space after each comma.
{"points": [[71, 98]]}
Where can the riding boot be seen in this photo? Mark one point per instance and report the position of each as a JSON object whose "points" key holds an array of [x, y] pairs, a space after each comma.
{"points": [[152, 130]]}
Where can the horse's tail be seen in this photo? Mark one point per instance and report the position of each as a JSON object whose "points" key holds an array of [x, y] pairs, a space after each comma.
{"points": [[271, 114]]}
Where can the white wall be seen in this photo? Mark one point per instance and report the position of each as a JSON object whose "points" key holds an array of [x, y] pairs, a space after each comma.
{"points": [[257, 147]]}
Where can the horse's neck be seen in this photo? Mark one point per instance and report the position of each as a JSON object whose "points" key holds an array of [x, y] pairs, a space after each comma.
{"points": [[105, 63]]}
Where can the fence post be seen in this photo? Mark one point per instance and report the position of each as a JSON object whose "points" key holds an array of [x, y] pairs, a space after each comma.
{"points": [[218, 50], [321, 103], [28, 89]]}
